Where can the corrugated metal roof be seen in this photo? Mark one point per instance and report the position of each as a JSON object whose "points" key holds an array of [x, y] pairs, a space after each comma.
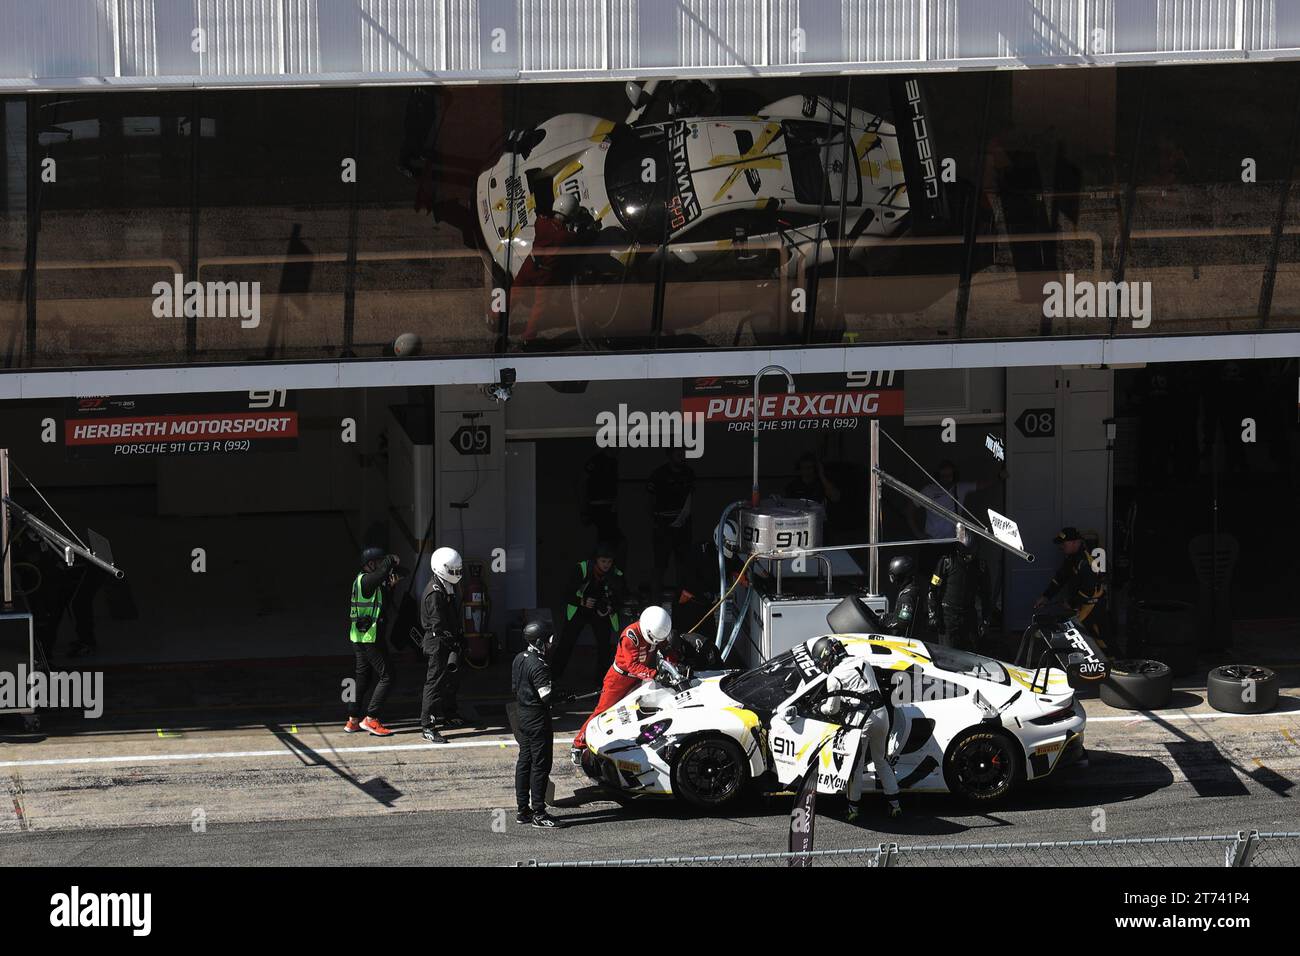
{"points": [[161, 43]]}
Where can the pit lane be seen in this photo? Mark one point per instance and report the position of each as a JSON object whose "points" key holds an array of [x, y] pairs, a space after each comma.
{"points": [[308, 794]]}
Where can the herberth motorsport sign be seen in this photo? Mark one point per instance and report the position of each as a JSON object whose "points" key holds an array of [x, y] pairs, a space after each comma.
{"points": [[224, 423]]}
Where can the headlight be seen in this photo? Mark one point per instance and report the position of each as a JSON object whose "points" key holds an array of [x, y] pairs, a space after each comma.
{"points": [[652, 732]]}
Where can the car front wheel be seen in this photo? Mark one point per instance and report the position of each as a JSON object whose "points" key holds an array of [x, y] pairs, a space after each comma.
{"points": [[982, 765], [709, 772]]}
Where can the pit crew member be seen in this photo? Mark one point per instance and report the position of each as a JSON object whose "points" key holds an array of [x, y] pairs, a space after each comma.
{"points": [[642, 651], [856, 699]]}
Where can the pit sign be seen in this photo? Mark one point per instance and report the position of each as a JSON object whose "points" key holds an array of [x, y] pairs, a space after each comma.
{"points": [[1005, 530]]}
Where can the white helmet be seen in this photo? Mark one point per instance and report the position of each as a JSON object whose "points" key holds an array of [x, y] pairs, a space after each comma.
{"points": [[656, 624], [447, 565], [565, 204]]}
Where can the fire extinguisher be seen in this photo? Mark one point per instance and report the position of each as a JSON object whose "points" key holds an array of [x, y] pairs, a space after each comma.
{"points": [[477, 609]]}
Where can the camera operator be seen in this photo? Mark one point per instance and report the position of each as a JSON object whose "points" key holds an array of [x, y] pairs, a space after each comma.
{"points": [[596, 592], [378, 575], [443, 641]]}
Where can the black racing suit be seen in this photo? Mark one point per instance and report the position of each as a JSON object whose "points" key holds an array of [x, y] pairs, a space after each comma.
{"points": [[960, 578], [901, 621], [1083, 590], [697, 651], [530, 679], [444, 634], [372, 659]]}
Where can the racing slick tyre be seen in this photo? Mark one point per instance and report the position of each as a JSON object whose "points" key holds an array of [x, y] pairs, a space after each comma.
{"points": [[1137, 685], [982, 765], [709, 772], [1242, 689]]}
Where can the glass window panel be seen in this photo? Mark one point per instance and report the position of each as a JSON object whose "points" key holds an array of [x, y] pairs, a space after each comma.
{"points": [[114, 218]]}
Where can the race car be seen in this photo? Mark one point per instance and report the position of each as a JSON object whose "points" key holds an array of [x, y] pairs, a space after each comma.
{"points": [[733, 184], [960, 722]]}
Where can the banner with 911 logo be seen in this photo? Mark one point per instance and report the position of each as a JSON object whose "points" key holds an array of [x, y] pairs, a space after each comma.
{"points": [[153, 426], [821, 402]]}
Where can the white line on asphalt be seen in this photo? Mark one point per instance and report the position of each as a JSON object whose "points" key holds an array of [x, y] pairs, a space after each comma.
{"points": [[1206, 715], [284, 752], [479, 744]]}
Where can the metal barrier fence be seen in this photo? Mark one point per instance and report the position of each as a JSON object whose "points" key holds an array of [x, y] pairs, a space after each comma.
{"points": [[1245, 848]]}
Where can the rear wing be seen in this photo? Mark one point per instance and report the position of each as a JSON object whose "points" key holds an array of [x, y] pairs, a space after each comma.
{"points": [[1057, 640]]}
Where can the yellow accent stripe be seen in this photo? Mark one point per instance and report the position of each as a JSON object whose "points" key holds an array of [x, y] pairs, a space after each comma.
{"points": [[569, 170], [753, 158]]}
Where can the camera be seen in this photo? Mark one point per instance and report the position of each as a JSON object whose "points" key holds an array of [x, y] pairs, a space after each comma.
{"points": [[502, 390]]}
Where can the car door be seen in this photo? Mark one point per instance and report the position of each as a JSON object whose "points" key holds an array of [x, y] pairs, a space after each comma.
{"points": [[799, 734]]}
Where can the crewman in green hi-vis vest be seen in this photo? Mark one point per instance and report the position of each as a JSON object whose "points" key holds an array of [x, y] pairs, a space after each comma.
{"points": [[378, 574], [595, 594]]}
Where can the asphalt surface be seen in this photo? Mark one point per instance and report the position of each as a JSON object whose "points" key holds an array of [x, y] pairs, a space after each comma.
{"points": [[311, 795]]}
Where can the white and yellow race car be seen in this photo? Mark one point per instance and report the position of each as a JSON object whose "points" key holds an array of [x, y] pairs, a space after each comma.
{"points": [[702, 185], [960, 723]]}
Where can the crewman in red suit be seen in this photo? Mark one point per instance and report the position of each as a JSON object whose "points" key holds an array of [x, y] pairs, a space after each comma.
{"points": [[641, 646], [544, 265]]}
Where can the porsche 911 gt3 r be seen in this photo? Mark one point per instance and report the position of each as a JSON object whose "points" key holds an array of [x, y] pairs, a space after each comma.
{"points": [[704, 185], [960, 722]]}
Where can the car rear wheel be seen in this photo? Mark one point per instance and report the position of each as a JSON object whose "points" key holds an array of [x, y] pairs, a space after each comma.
{"points": [[982, 765], [709, 772]]}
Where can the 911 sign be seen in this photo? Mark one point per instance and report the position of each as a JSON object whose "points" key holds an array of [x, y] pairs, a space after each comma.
{"points": [[472, 440]]}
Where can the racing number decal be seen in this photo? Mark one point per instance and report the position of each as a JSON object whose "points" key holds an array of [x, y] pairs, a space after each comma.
{"points": [[783, 748]]}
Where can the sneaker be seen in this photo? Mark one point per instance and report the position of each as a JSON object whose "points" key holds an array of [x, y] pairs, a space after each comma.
{"points": [[431, 735], [544, 821], [376, 728], [353, 726], [524, 817], [575, 756], [895, 808]]}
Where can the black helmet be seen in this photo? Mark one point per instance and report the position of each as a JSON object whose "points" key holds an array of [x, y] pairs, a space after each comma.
{"points": [[827, 652], [899, 568], [372, 554], [538, 636]]}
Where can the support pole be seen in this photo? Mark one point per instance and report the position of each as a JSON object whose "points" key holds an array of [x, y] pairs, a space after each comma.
{"points": [[789, 388], [873, 512], [4, 530]]}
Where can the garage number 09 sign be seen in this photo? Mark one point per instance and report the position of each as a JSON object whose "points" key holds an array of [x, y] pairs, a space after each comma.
{"points": [[472, 440]]}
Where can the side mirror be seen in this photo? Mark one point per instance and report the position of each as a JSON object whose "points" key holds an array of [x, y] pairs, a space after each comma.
{"points": [[788, 713], [635, 93]]}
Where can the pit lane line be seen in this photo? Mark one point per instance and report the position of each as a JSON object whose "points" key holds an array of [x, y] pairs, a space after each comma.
{"points": [[500, 743]]}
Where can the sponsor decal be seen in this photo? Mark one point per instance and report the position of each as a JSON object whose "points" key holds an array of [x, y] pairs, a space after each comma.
{"points": [[683, 204], [517, 196], [1048, 748], [921, 134]]}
